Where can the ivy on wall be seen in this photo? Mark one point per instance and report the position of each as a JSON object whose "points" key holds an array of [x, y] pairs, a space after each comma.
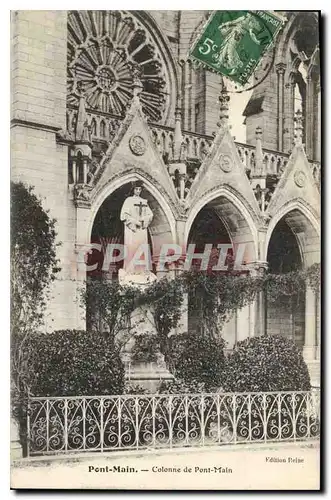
{"points": [[214, 298]]}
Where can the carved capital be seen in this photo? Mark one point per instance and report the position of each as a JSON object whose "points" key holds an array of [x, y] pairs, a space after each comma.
{"points": [[82, 194], [280, 68], [258, 268]]}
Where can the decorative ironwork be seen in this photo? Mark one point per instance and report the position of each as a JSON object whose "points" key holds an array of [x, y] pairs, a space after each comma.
{"points": [[107, 51], [105, 423]]}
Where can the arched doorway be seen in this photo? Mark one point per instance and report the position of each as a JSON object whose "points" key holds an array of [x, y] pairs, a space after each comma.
{"points": [[107, 228], [294, 244], [286, 316], [220, 221]]}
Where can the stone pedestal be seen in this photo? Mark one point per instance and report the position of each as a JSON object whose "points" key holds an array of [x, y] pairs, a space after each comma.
{"points": [[148, 375], [15, 445], [145, 373]]}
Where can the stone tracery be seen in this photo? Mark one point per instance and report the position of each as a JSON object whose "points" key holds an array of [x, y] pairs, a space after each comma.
{"points": [[105, 50]]}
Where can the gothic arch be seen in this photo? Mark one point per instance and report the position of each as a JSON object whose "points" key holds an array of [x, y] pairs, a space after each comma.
{"points": [[305, 227], [113, 184], [234, 214], [286, 36], [296, 50]]}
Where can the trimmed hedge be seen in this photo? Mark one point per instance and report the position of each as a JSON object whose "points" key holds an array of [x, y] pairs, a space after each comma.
{"points": [[74, 363], [268, 363], [181, 387], [197, 359]]}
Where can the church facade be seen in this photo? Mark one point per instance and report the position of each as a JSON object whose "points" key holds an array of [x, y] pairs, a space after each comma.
{"points": [[102, 99]]}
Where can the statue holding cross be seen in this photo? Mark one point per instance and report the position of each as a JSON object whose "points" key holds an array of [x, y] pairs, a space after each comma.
{"points": [[136, 216]]}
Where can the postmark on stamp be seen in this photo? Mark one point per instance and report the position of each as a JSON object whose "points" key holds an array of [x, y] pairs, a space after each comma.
{"points": [[234, 42]]}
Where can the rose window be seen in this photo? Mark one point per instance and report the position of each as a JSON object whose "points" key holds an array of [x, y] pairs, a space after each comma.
{"points": [[105, 51]]}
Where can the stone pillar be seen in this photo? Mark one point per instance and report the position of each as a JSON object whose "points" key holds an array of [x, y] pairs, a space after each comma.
{"points": [[85, 171], [81, 249], [74, 171], [280, 68], [288, 118], [258, 269], [318, 325], [252, 319], [309, 118], [309, 348], [142, 372], [183, 322], [15, 445], [243, 323], [317, 146]]}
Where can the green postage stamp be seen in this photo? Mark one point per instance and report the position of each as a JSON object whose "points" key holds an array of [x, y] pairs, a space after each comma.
{"points": [[234, 42]]}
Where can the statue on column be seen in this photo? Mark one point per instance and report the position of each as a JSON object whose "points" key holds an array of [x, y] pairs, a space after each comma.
{"points": [[136, 216]]}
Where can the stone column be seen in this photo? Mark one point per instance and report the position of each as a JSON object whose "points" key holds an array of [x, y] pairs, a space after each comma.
{"points": [[252, 319], [142, 372], [74, 171], [82, 246], [15, 445], [243, 323], [259, 311], [280, 68], [309, 118], [176, 270], [318, 325], [309, 348], [288, 118], [85, 170], [183, 322]]}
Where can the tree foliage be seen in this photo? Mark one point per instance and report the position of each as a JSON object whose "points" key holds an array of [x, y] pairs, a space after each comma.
{"points": [[213, 298], [33, 257], [109, 306], [33, 267]]}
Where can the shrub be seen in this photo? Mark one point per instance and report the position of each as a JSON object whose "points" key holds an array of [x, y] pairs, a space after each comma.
{"points": [[266, 364], [181, 387], [197, 358], [75, 363], [135, 389]]}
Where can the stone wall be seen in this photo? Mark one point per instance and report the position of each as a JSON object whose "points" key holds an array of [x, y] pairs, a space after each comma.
{"points": [[287, 318], [38, 109]]}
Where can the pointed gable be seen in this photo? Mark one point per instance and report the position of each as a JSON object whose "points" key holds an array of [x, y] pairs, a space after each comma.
{"points": [[223, 167], [296, 183], [132, 149]]}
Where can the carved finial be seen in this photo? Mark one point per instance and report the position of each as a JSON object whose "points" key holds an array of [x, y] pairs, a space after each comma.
{"points": [[258, 133], [224, 108], [86, 136], [178, 139], [136, 72], [81, 119], [298, 127], [259, 169]]}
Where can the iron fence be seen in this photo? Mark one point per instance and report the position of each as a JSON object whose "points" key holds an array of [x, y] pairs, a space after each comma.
{"points": [[108, 423]]}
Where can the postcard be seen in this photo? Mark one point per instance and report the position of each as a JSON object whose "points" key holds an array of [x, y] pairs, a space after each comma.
{"points": [[165, 250]]}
